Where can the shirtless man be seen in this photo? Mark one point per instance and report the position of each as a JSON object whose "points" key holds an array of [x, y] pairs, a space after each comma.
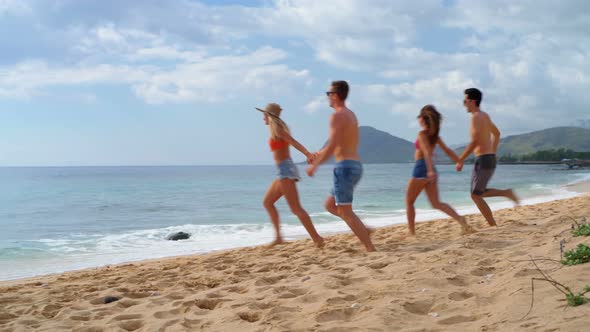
{"points": [[485, 138], [343, 145]]}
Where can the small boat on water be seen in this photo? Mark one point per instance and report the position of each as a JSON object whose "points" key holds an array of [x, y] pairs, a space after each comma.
{"points": [[575, 163]]}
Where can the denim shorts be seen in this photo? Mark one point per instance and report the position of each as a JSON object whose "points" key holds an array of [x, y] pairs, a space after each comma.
{"points": [[420, 170], [288, 170], [347, 174]]}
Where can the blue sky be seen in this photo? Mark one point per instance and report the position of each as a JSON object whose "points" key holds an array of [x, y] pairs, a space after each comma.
{"points": [[166, 83]]}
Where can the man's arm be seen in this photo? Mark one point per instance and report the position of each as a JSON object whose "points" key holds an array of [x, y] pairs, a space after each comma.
{"points": [[333, 140], [496, 134], [326, 152], [474, 129]]}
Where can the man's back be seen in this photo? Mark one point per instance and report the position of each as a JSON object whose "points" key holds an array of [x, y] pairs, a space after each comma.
{"points": [[482, 129], [347, 145]]}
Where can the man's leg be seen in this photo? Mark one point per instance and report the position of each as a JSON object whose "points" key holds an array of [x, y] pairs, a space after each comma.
{"points": [[484, 208], [508, 193], [356, 225]]}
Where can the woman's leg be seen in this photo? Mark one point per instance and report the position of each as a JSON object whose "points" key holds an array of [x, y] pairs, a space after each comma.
{"points": [[415, 186], [272, 195], [432, 193], [289, 189]]}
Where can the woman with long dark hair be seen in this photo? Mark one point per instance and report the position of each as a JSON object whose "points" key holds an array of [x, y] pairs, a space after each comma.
{"points": [[424, 176]]}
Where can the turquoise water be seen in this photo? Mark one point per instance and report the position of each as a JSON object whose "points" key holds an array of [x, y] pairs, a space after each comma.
{"points": [[57, 219]]}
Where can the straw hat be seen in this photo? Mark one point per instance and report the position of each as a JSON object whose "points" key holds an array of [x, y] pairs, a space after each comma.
{"points": [[272, 109]]}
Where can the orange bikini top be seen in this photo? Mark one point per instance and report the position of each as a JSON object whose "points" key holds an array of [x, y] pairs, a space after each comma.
{"points": [[277, 144]]}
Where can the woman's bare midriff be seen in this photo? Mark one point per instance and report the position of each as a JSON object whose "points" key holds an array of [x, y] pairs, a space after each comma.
{"points": [[281, 155]]}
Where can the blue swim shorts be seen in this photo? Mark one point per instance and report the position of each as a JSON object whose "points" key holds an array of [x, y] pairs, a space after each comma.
{"points": [[347, 174]]}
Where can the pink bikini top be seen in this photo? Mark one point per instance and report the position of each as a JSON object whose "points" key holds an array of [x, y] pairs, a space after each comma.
{"points": [[417, 144]]}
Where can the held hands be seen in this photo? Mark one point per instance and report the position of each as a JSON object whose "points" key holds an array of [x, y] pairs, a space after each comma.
{"points": [[459, 166], [310, 159], [311, 170]]}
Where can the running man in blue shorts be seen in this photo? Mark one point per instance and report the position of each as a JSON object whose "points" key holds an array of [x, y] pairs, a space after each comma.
{"points": [[485, 138], [343, 145]]}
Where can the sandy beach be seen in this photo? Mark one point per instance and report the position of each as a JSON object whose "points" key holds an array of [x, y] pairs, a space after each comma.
{"points": [[439, 281]]}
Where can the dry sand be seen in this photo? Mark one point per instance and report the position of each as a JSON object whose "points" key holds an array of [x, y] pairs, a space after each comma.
{"points": [[440, 281]]}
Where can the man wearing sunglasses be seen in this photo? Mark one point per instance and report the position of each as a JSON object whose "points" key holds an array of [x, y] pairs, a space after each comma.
{"points": [[485, 138], [343, 145]]}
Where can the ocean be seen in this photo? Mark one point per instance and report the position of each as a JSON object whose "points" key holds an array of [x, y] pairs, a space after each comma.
{"points": [[56, 219]]}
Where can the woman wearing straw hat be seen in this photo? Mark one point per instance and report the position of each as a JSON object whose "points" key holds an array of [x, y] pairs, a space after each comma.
{"points": [[288, 175]]}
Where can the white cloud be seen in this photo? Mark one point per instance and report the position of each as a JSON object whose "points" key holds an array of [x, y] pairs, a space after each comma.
{"points": [[14, 7], [212, 79], [316, 104]]}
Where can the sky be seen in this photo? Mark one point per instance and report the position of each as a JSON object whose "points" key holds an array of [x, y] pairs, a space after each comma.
{"points": [[176, 82]]}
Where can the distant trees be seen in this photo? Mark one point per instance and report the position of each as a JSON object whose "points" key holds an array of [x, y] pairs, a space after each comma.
{"points": [[546, 155]]}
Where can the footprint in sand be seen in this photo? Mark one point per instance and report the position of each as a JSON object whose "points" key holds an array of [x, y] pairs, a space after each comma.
{"points": [[457, 281], [126, 317], [167, 313], [341, 300], [236, 289], [482, 271], [268, 280], [51, 310], [457, 319], [176, 296], [81, 316], [378, 265], [526, 273], [88, 329], [191, 323], [249, 316], [208, 304], [170, 323], [460, 296], [420, 307], [131, 325], [340, 314]]}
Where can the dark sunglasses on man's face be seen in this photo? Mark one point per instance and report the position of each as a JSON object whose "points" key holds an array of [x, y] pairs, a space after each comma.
{"points": [[328, 93]]}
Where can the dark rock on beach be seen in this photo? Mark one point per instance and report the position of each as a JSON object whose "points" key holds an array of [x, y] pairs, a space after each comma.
{"points": [[178, 236]]}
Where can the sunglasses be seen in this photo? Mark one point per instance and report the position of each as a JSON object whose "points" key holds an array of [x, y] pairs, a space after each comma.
{"points": [[328, 93]]}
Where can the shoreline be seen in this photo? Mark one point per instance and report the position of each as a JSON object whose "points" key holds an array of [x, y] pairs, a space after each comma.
{"points": [[437, 281], [575, 189]]}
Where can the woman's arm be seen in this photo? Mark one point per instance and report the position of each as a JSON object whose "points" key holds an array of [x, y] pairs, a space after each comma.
{"points": [[425, 147], [289, 139], [448, 151]]}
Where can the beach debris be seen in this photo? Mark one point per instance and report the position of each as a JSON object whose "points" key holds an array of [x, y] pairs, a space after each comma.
{"points": [[423, 290], [110, 299], [306, 278], [561, 247], [178, 236], [433, 314], [489, 276], [155, 294], [355, 305]]}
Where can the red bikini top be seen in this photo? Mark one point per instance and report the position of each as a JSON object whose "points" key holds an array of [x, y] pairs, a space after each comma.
{"points": [[417, 144], [277, 144]]}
